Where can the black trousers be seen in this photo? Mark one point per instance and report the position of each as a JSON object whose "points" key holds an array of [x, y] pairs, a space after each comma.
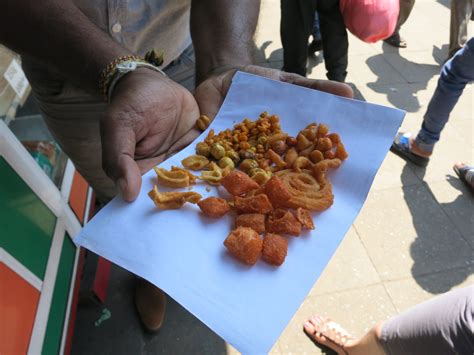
{"points": [[297, 17]]}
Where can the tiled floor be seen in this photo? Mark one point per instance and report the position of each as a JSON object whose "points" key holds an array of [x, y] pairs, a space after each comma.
{"points": [[413, 239]]}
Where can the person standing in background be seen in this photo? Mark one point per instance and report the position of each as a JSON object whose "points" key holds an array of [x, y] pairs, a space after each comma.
{"points": [[297, 19], [395, 39], [461, 13]]}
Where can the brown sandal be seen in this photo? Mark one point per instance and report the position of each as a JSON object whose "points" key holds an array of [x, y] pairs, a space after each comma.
{"points": [[328, 333]]}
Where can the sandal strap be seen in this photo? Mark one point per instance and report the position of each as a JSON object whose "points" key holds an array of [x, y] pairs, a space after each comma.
{"points": [[336, 334]]}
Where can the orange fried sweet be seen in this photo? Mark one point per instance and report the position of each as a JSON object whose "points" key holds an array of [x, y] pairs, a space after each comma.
{"points": [[282, 221], [253, 204], [256, 221], [214, 207], [275, 248], [238, 183], [277, 192], [304, 217], [245, 244]]}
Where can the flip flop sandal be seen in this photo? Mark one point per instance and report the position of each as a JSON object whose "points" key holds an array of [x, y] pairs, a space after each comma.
{"points": [[401, 147], [396, 41], [333, 333], [462, 172]]}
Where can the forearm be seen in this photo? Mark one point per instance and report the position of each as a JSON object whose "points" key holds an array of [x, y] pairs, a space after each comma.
{"points": [[58, 34], [222, 33]]}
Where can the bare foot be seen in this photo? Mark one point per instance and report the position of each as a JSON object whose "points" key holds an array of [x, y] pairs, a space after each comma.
{"points": [[328, 333]]}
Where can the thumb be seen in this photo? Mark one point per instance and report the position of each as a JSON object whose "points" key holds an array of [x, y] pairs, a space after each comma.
{"points": [[118, 151]]}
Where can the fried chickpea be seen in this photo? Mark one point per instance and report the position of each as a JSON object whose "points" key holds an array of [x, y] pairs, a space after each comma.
{"points": [[217, 151], [226, 162], [316, 156]]}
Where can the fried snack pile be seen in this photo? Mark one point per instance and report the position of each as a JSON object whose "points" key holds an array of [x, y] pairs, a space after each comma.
{"points": [[275, 181]]}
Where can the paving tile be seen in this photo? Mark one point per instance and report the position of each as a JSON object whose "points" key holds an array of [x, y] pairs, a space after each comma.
{"points": [[356, 46], [389, 174], [406, 233], [374, 69], [402, 96], [415, 67], [406, 293], [458, 203], [349, 268], [353, 309]]}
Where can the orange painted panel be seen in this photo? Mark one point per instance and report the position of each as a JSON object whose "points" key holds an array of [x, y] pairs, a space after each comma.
{"points": [[18, 303], [78, 196]]}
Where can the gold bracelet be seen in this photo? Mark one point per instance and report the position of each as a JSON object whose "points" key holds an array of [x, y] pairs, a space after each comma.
{"points": [[110, 70]]}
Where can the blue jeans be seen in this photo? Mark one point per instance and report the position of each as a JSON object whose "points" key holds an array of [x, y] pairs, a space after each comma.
{"points": [[455, 75]]}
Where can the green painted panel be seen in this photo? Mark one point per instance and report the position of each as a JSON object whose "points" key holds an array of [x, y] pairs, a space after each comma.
{"points": [[57, 312], [26, 224]]}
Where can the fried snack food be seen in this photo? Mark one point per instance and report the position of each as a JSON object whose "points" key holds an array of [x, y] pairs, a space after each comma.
{"points": [[245, 244], [195, 162], [253, 204], [203, 122], [256, 221], [214, 207], [290, 157], [192, 178], [238, 183], [282, 221], [174, 199], [176, 178], [341, 152], [306, 191], [304, 217], [277, 192], [275, 248]]}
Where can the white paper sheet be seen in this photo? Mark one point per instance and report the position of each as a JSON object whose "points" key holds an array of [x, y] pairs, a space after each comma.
{"points": [[181, 251]]}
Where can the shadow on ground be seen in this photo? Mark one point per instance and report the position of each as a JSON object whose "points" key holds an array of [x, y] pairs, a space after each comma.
{"points": [[182, 333], [406, 96], [436, 246]]}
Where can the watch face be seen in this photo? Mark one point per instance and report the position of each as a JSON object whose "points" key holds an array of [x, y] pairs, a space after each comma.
{"points": [[127, 66]]}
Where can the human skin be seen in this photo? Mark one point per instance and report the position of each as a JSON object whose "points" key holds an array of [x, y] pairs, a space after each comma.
{"points": [[149, 115]]}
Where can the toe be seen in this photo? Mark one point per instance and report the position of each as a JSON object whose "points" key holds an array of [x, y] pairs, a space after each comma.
{"points": [[309, 328]]}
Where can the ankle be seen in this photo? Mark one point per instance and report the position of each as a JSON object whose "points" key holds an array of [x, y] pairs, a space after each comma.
{"points": [[415, 148]]}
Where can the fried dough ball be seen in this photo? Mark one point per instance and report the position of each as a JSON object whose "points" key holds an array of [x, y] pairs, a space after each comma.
{"points": [[341, 152], [275, 248], [214, 207], [245, 244], [238, 183], [253, 204], [283, 222], [304, 217], [256, 221], [277, 192]]}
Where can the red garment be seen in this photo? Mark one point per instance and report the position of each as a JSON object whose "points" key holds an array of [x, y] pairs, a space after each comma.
{"points": [[370, 20]]}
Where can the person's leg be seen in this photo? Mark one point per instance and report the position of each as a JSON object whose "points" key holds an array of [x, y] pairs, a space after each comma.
{"points": [[406, 6], [461, 11], [335, 41], [455, 75], [441, 326], [297, 18]]}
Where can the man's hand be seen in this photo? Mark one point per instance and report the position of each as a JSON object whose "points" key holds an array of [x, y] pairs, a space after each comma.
{"points": [[149, 117], [211, 92]]}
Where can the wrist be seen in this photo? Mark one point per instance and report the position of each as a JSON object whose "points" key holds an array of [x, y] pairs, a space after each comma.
{"points": [[214, 66], [121, 67]]}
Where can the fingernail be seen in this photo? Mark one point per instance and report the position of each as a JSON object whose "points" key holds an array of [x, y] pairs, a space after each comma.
{"points": [[307, 324], [121, 185]]}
